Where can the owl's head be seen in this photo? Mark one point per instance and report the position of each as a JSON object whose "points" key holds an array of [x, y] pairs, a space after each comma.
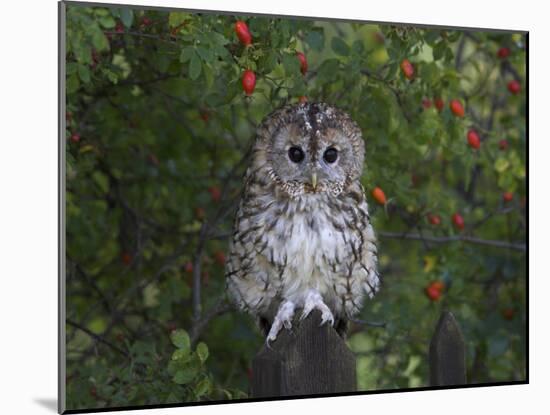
{"points": [[310, 148]]}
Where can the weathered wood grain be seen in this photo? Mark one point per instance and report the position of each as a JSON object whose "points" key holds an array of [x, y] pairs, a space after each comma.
{"points": [[311, 359], [447, 353]]}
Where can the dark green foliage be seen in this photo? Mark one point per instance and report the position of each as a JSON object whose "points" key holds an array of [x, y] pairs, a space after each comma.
{"points": [[153, 182]]}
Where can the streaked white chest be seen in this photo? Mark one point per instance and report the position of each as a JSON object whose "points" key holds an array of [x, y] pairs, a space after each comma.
{"points": [[308, 243]]}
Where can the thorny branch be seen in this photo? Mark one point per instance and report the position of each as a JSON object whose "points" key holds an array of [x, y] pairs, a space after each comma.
{"points": [[96, 337], [458, 238]]}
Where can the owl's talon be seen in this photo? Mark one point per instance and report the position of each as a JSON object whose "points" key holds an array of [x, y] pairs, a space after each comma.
{"points": [[282, 318], [327, 317], [307, 310], [315, 301]]}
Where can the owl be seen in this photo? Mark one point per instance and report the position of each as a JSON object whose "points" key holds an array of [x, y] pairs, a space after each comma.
{"points": [[302, 237]]}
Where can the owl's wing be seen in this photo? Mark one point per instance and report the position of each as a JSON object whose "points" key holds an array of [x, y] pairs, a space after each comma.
{"points": [[248, 268], [359, 277]]}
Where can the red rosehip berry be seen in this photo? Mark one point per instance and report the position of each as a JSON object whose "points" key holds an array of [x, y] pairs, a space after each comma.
{"points": [[219, 257], [95, 59], [458, 221], [514, 87], [503, 53], [205, 275], [153, 159], [188, 267], [507, 197], [200, 213], [249, 81], [146, 22], [508, 314], [379, 38], [75, 138], [407, 68], [303, 62], [215, 193], [503, 145], [434, 290], [204, 114], [456, 107], [126, 258], [439, 104], [379, 196], [434, 219], [241, 29], [119, 28], [473, 139], [415, 180], [426, 103]]}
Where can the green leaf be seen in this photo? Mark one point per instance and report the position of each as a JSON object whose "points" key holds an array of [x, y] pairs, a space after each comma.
{"points": [[172, 398], [339, 46], [173, 367], [316, 39], [208, 75], [205, 54], [218, 39], [328, 68], [127, 16], [99, 40], [101, 180], [357, 47], [84, 73], [73, 83], [150, 295], [71, 68], [497, 345], [84, 54], [177, 18], [202, 351], [180, 339], [291, 64], [195, 67], [501, 164], [439, 50], [181, 355], [269, 62], [183, 377], [187, 53], [111, 75], [203, 387], [107, 22]]}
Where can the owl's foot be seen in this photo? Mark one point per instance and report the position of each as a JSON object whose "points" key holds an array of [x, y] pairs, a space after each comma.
{"points": [[313, 301], [282, 318]]}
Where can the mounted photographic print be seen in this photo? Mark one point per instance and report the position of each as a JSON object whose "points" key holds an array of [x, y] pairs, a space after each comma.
{"points": [[257, 207]]}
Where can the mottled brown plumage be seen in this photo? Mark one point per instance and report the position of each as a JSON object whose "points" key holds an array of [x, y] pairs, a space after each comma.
{"points": [[302, 236]]}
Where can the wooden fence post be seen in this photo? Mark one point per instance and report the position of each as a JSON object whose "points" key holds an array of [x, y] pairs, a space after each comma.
{"points": [[310, 359], [447, 353]]}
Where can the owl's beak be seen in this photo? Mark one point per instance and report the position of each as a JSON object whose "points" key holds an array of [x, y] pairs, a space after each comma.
{"points": [[314, 180]]}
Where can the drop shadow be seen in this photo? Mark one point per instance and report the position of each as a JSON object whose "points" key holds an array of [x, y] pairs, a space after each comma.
{"points": [[47, 403]]}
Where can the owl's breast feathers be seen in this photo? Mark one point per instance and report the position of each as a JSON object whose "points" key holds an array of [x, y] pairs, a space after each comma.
{"points": [[283, 246]]}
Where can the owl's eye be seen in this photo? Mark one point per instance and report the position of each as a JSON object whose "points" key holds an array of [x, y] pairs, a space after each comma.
{"points": [[331, 154], [296, 154]]}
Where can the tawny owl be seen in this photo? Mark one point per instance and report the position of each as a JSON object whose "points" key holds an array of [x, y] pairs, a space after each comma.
{"points": [[302, 236]]}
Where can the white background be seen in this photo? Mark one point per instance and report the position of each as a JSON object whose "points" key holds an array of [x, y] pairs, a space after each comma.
{"points": [[28, 203]]}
